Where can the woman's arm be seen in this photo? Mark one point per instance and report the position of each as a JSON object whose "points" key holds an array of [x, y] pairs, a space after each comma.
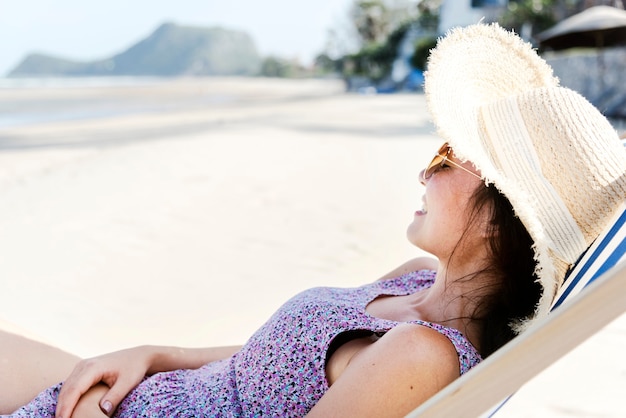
{"points": [[392, 376], [415, 264], [173, 358], [122, 370]]}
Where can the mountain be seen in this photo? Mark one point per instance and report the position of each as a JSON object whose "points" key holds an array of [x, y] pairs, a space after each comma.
{"points": [[171, 50]]}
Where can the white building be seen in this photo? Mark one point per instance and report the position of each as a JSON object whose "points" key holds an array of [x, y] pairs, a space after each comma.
{"points": [[467, 12]]}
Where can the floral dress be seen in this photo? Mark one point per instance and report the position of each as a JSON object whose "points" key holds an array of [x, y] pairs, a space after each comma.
{"points": [[280, 371]]}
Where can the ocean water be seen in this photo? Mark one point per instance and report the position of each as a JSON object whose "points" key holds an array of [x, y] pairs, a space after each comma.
{"points": [[31, 101], [74, 82]]}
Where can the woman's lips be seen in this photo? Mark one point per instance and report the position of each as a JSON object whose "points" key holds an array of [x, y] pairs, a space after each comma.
{"points": [[423, 210]]}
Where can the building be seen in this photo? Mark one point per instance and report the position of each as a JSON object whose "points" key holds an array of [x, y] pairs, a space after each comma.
{"points": [[467, 12]]}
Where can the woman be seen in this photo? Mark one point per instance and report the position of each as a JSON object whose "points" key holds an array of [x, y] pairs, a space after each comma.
{"points": [[529, 177]]}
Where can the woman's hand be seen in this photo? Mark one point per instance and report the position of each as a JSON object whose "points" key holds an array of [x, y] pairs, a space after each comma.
{"points": [[121, 371], [87, 406]]}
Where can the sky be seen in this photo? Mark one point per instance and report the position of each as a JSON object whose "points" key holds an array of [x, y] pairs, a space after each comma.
{"points": [[85, 30]]}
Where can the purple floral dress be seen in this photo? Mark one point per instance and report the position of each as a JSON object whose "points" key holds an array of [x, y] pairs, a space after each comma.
{"points": [[280, 371]]}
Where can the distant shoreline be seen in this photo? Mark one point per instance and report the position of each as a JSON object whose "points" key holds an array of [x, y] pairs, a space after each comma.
{"points": [[76, 82], [33, 101]]}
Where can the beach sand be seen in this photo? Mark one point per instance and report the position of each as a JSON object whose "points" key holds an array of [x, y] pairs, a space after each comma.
{"points": [[184, 212]]}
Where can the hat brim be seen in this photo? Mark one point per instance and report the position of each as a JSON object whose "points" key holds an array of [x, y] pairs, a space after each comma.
{"points": [[471, 67]]}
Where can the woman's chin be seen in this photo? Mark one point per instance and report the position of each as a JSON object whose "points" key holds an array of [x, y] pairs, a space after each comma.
{"points": [[413, 236]]}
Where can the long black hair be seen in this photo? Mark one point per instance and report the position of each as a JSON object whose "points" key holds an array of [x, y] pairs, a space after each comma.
{"points": [[514, 290]]}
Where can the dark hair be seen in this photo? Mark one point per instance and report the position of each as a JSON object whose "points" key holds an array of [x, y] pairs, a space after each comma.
{"points": [[514, 291]]}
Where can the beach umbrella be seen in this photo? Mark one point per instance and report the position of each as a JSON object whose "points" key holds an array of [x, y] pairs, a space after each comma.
{"points": [[595, 27]]}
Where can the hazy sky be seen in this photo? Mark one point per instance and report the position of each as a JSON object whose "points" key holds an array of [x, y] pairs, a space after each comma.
{"points": [[94, 29]]}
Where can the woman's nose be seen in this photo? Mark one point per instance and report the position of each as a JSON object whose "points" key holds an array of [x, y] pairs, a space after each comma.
{"points": [[422, 178]]}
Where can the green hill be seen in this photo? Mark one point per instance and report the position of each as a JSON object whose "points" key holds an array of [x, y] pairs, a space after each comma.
{"points": [[171, 50]]}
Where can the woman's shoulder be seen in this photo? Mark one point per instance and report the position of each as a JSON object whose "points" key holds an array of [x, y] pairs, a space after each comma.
{"points": [[422, 351], [392, 375], [467, 356], [420, 344]]}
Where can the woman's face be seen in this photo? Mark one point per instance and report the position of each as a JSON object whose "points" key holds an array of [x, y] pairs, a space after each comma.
{"points": [[447, 204]]}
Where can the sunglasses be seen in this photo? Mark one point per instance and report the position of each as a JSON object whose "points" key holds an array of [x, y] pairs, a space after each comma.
{"points": [[441, 160]]}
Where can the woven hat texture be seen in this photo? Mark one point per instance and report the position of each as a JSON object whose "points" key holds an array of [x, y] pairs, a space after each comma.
{"points": [[546, 148]]}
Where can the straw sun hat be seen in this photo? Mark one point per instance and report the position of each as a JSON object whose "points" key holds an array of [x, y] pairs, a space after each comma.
{"points": [[547, 149]]}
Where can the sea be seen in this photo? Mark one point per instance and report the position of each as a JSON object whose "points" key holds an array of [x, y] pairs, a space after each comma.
{"points": [[31, 101]]}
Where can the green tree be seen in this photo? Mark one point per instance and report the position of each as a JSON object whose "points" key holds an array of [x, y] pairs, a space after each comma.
{"points": [[371, 21], [422, 51], [375, 20], [324, 64], [380, 26], [537, 15], [376, 59], [278, 67], [428, 14]]}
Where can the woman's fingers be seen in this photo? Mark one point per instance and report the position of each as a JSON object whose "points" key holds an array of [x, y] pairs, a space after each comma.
{"points": [[107, 406], [88, 405], [117, 392], [86, 375], [115, 374], [68, 398], [65, 406]]}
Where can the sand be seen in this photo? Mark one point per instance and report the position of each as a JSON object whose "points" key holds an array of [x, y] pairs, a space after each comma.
{"points": [[184, 212]]}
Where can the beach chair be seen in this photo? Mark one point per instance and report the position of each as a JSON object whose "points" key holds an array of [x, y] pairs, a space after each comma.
{"points": [[596, 284]]}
